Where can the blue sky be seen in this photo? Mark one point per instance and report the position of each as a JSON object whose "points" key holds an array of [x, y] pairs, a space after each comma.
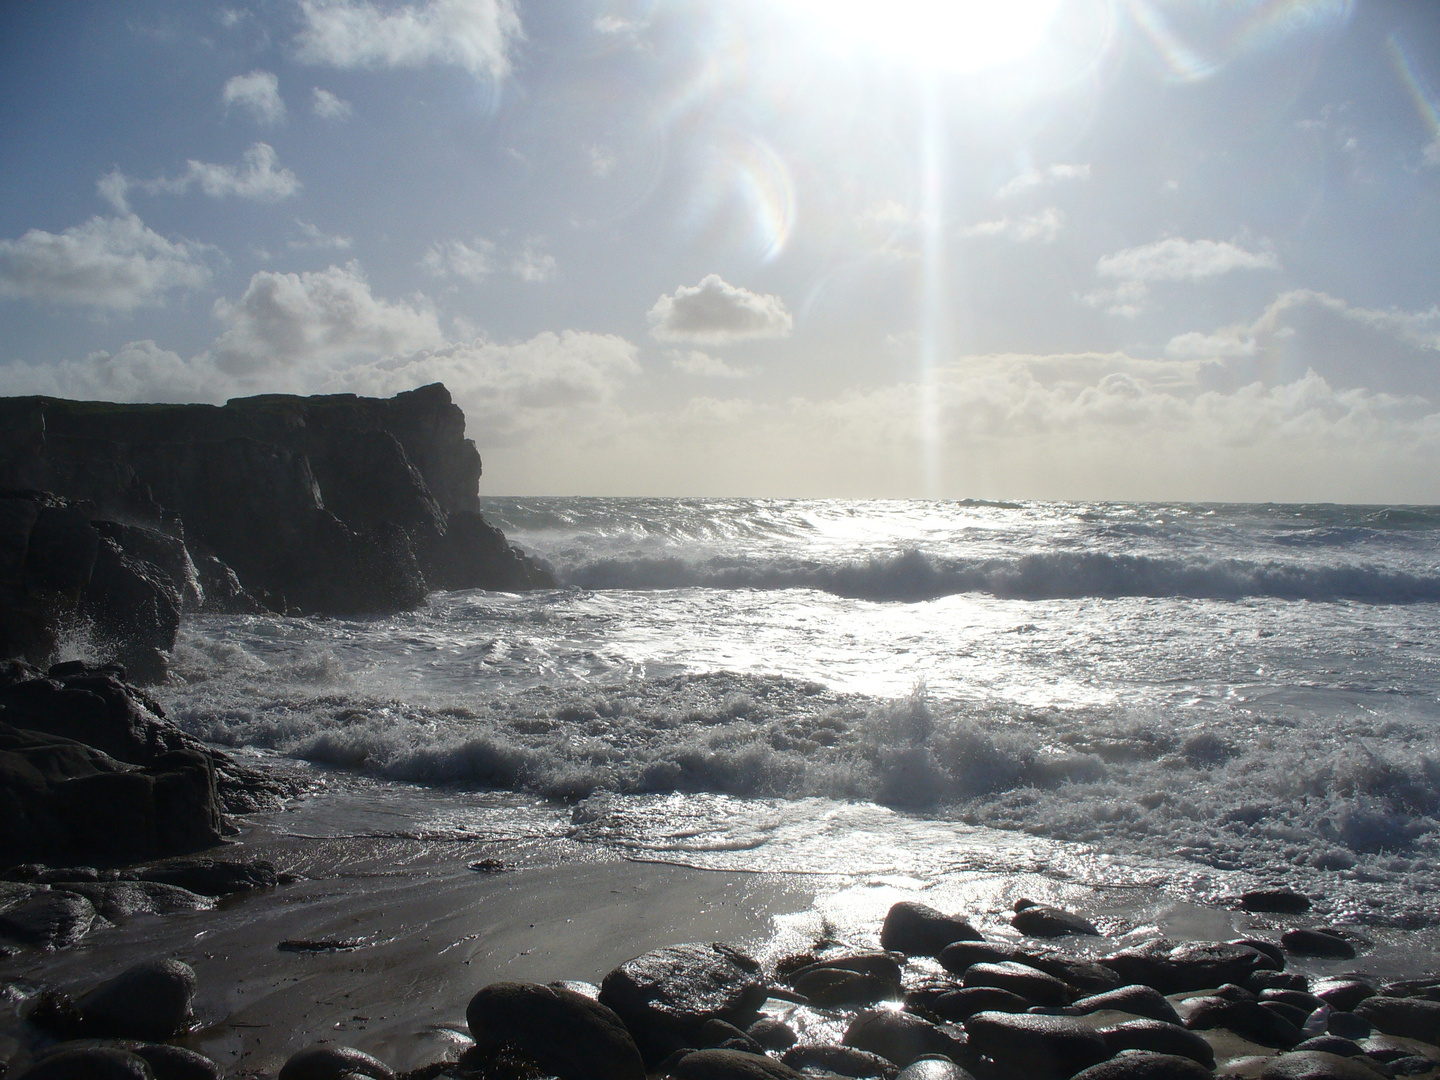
{"points": [[1161, 249]]}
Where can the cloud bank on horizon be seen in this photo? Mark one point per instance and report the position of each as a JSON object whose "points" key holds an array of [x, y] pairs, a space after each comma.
{"points": [[1166, 249]]}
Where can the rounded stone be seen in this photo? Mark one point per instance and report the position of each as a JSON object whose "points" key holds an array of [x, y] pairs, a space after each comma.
{"points": [[840, 1060], [1048, 921], [565, 1033], [176, 1062], [1019, 979], [151, 1000], [1317, 1065], [1348, 1025], [1160, 1038], [920, 930], [1041, 1047], [1282, 901], [933, 1068], [963, 1004], [1330, 1044], [1135, 999], [88, 1063], [898, 1037], [334, 1063], [772, 1034], [1317, 943], [1146, 1065], [730, 1065]]}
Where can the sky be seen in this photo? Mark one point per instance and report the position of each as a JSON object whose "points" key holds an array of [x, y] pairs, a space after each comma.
{"points": [[1046, 249]]}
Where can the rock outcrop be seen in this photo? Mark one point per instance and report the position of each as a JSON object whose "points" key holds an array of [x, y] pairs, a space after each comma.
{"points": [[125, 515]]}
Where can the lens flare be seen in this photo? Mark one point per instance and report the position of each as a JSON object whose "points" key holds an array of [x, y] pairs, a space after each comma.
{"points": [[1222, 33], [949, 35], [1424, 106]]}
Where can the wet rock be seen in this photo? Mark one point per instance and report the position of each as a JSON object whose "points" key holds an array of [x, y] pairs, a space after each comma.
{"points": [[958, 956], [1316, 1065], [565, 1033], [1409, 1018], [1317, 943], [1428, 987], [1266, 948], [1412, 1066], [772, 1034], [1191, 965], [730, 1065], [962, 1004], [88, 1063], [1282, 901], [881, 965], [836, 988], [209, 876], [1039, 1047], [1048, 921], [898, 1037], [1137, 1000], [1342, 992], [578, 986], [1298, 1017], [1019, 979], [119, 900], [151, 1000], [920, 930], [933, 1068], [1296, 998], [176, 1062], [718, 1034], [1331, 1044], [1248, 1019], [1083, 975], [1348, 1025], [334, 1063], [664, 997], [1146, 1065], [1159, 1037], [47, 918], [840, 1060], [1266, 979]]}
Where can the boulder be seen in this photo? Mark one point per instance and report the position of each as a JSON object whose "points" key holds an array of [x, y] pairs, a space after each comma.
{"points": [[961, 1004], [119, 900], [664, 997], [1348, 1025], [840, 1060], [175, 1062], [1137, 1000], [45, 918], [334, 1063], [1331, 1044], [1280, 900], [1343, 992], [1298, 999], [898, 1037], [1085, 976], [151, 1000], [837, 988], [1317, 943], [730, 1065], [1038, 1047], [1146, 1065], [1019, 979], [88, 1063], [209, 876], [1270, 949], [1048, 921], [1159, 1037], [1313, 1065], [1409, 1018], [933, 1068], [771, 1034], [1248, 1019], [567, 1034], [1268, 979], [1193, 965], [886, 966], [920, 930]]}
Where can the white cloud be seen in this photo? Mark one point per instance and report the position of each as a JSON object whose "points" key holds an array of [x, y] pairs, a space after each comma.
{"points": [[1126, 299], [255, 177], [327, 106], [1042, 227], [1177, 259], [108, 262], [455, 258], [259, 94], [1221, 346], [602, 161], [313, 238], [472, 34], [315, 319], [532, 264], [704, 366], [1033, 178], [715, 312]]}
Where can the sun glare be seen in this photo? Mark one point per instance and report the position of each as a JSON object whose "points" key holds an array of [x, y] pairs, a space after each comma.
{"points": [[951, 35]]}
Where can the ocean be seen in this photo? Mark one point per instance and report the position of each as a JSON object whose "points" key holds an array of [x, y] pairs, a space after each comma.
{"points": [[1199, 698]]}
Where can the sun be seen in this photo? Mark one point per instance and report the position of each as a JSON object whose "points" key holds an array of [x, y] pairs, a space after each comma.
{"points": [[949, 35]]}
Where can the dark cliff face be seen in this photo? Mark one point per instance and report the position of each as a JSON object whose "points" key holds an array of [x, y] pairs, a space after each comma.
{"points": [[335, 504]]}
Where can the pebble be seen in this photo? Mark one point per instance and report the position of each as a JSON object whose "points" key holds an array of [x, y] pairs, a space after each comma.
{"points": [[933, 1068], [1318, 1065], [729, 1065], [1192, 965], [1331, 1044], [1146, 1065], [1159, 1037], [565, 1033], [1281, 901], [1317, 943], [1342, 992], [151, 1000], [960, 1004], [920, 930], [1267, 979], [772, 1034], [834, 987], [334, 1063], [1137, 1000], [1040, 1047], [1048, 921], [898, 1037], [840, 1060]]}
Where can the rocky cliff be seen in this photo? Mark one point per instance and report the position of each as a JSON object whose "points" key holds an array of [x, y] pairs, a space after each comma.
{"points": [[335, 504]]}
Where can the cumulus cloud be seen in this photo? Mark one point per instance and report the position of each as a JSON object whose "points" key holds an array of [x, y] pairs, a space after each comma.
{"points": [[1034, 228], [474, 261], [313, 238], [533, 264], [1223, 345], [255, 177], [1177, 259], [704, 366], [258, 93], [715, 312], [327, 106], [1033, 178], [108, 262], [317, 318], [475, 35]]}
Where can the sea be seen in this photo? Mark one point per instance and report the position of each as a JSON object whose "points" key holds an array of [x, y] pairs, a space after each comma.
{"points": [[1197, 697]]}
